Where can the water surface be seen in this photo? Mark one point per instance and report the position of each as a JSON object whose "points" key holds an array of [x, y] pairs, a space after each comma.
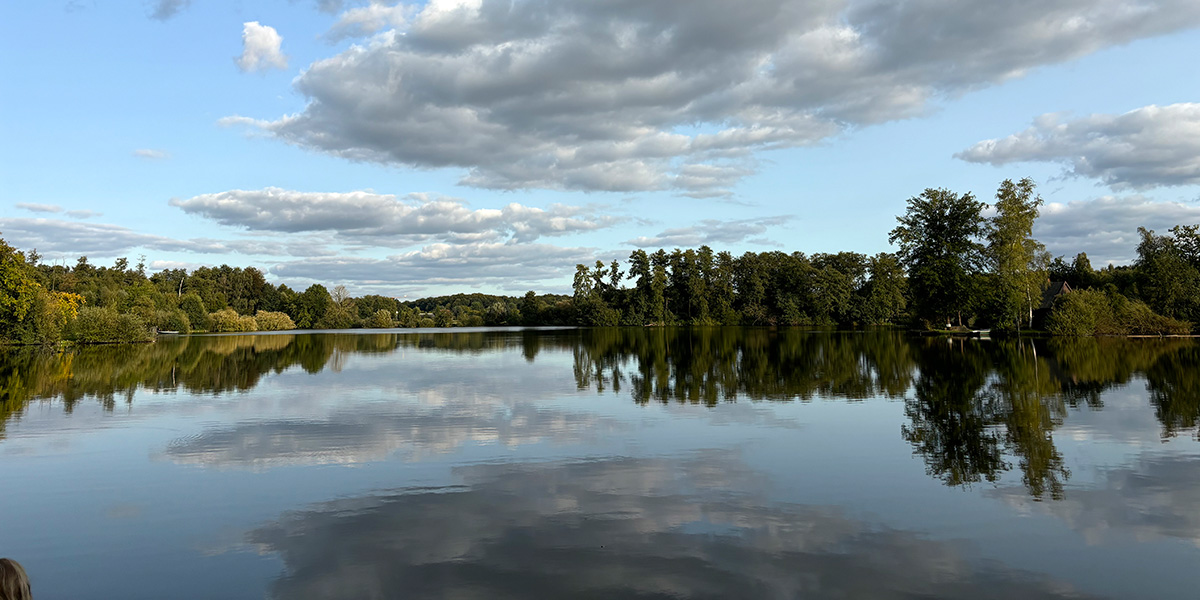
{"points": [[614, 463]]}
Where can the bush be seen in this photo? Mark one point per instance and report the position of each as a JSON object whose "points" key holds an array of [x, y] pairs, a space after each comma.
{"points": [[228, 320], [335, 317], [172, 320], [1091, 312], [1080, 313], [97, 325], [382, 319], [273, 321], [1136, 318]]}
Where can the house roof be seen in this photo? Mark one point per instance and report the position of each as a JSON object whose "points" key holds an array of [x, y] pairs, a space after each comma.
{"points": [[1054, 290]]}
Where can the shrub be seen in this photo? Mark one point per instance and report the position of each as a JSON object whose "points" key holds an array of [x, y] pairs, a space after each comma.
{"points": [[1091, 312], [382, 319], [273, 321], [228, 320], [1136, 318], [335, 317], [99, 325], [172, 320]]}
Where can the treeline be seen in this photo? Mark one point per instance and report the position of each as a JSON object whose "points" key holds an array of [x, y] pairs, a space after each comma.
{"points": [[86, 303], [954, 268]]}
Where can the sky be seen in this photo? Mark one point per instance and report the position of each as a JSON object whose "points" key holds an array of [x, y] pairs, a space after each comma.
{"points": [[417, 149]]}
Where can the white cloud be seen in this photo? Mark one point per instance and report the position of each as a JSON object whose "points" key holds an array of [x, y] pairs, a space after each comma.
{"points": [[56, 209], [673, 94], [1106, 227], [505, 266], [709, 232], [260, 48], [385, 220], [67, 239], [1149, 147], [368, 20], [151, 154], [39, 208]]}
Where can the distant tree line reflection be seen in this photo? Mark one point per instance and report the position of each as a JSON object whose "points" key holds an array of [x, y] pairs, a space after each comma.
{"points": [[975, 409]]}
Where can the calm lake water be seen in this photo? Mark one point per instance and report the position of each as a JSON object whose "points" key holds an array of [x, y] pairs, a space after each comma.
{"points": [[623, 463]]}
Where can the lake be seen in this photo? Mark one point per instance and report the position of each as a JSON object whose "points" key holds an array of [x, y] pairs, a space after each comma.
{"points": [[607, 463]]}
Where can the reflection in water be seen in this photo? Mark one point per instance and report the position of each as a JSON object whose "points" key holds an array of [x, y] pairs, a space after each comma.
{"points": [[1156, 497], [374, 433], [617, 528], [975, 408]]}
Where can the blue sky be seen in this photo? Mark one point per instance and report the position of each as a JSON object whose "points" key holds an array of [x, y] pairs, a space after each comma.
{"points": [[467, 145]]}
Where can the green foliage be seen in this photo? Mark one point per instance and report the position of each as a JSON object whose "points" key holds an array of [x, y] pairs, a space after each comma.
{"points": [[1169, 272], [443, 317], [939, 248], [228, 320], [193, 307], [311, 306], [381, 319], [1091, 312], [171, 320], [104, 325], [886, 290], [18, 290], [337, 316], [273, 321], [1080, 313], [1019, 263]]}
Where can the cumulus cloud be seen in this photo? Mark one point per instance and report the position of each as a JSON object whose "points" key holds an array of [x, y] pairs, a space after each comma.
{"points": [[1149, 147], [65, 239], [151, 154], [370, 19], [1106, 228], [385, 220], [260, 48], [674, 94], [709, 232], [507, 266], [165, 9]]}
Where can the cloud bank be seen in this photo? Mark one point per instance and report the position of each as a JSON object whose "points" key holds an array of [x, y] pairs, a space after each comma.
{"points": [[1106, 227], [669, 95], [388, 221], [1149, 147], [57, 239], [709, 232]]}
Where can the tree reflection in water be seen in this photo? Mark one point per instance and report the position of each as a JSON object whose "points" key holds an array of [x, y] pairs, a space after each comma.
{"points": [[975, 408]]}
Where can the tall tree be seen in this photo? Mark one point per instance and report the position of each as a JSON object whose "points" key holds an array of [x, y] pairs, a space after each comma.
{"points": [[886, 290], [1019, 262], [937, 237], [1167, 280]]}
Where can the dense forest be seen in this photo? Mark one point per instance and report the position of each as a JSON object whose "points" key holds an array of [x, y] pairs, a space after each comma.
{"points": [[954, 269]]}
